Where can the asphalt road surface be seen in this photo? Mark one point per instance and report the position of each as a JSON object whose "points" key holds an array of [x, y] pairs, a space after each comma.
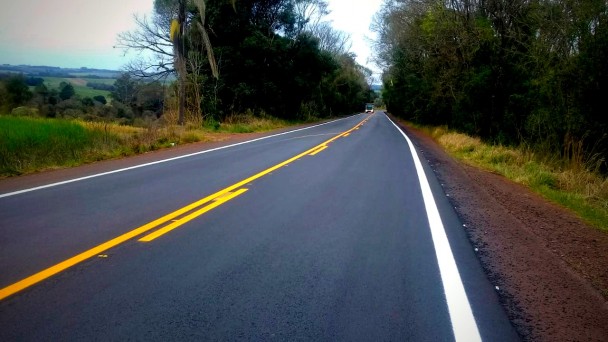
{"points": [[334, 232]]}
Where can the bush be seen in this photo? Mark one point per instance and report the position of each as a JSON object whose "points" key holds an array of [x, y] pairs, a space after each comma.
{"points": [[25, 111]]}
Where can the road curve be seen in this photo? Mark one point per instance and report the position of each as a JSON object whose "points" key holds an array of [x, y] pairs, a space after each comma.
{"points": [[335, 232]]}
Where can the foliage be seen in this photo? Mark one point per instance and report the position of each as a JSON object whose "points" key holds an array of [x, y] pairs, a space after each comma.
{"points": [[14, 92], [516, 72], [33, 144], [100, 98], [66, 91], [580, 190], [272, 56], [224, 59], [27, 143]]}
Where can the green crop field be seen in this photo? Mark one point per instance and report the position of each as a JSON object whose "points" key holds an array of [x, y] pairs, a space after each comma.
{"points": [[80, 85]]}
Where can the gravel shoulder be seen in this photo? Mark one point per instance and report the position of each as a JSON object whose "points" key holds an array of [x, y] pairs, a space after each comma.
{"points": [[551, 267]]}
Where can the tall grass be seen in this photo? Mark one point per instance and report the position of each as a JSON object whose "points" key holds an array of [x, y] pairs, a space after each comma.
{"points": [[235, 123], [29, 144], [575, 185], [33, 144], [247, 123]]}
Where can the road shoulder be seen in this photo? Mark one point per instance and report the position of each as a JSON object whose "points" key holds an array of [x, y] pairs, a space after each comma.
{"points": [[548, 264], [33, 180]]}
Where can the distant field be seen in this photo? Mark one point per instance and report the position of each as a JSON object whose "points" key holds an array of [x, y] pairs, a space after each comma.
{"points": [[80, 85]]}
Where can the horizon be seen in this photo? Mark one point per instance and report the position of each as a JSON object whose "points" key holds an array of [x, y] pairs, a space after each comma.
{"points": [[46, 36]]}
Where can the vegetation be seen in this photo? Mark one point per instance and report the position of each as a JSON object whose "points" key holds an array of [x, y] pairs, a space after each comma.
{"points": [[576, 188], [84, 87], [518, 72], [28, 144], [224, 66], [32, 144], [231, 57]]}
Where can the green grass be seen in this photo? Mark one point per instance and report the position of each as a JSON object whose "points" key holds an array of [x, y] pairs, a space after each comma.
{"points": [[570, 185], [80, 85], [236, 123], [34, 144], [28, 144], [250, 124]]}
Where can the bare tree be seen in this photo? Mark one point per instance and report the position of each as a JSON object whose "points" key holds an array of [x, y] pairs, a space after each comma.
{"points": [[164, 37], [310, 14], [334, 41], [151, 39]]}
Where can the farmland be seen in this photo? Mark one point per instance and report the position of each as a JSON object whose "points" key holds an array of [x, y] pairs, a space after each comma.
{"points": [[80, 85], [77, 77]]}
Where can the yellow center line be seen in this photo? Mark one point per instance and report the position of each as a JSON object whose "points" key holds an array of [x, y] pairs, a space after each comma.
{"points": [[315, 148], [192, 216], [345, 135], [318, 150], [97, 250]]}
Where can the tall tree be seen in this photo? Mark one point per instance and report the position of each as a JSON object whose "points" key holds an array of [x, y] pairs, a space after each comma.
{"points": [[66, 90], [17, 91], [173, 22]]}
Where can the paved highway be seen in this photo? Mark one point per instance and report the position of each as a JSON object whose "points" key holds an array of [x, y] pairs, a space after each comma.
{"points": [[334, 232]]}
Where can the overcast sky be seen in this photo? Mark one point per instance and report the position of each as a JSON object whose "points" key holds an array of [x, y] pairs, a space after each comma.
{"points": [[81, 33]]}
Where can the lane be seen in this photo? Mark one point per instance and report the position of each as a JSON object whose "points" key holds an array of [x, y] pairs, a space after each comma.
{"points": [[41, 228], [335, 246]]}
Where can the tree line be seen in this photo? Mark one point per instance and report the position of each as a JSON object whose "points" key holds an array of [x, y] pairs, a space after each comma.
{"points": [[130, 101], [277, 57], [515, 72]]}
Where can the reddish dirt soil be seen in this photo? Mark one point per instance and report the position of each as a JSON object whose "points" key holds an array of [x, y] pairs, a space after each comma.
{"points": [[551, 268]]}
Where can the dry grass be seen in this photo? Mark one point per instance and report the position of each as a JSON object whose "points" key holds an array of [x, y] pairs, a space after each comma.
{"points": [[132, 140], [575, 185], [247, 123], [31, 145]]}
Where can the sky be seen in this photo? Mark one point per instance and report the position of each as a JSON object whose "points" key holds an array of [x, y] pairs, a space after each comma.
{"points": [[82, 33]]}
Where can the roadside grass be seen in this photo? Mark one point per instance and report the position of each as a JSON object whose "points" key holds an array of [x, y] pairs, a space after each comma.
{"points": [[235, 123], [30, 145], [573, 185], [249, 124]]}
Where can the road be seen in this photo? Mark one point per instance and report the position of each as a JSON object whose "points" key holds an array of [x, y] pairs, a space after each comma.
{"points": [[334, 232]]}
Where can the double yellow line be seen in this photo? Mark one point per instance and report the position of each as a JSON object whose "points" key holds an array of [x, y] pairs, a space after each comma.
{"points": [[168, 222]]}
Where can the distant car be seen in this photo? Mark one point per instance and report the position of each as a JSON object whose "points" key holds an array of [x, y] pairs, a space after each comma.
{"points": [[369, 108]]}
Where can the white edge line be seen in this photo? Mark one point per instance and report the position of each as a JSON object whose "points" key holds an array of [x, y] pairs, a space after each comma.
{"points": [[461, 315], [8, 194]]}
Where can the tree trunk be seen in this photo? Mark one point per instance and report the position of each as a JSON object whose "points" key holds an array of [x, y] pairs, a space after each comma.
{"points": [[181, 67]]}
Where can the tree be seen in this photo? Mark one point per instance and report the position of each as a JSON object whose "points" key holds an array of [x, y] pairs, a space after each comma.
{"points": [[17, 91], [124, 89], [42, 91], [87, 102], [509, 71], [172, 23], [273, 56], [66, 90], [100, 98]]}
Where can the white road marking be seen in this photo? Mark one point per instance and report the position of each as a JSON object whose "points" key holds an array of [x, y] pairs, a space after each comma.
{"points": [[8, 194], [461, 314]]}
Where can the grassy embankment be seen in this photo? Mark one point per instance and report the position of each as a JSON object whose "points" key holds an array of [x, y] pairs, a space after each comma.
{"points": [[573, 184], [28, 145]]}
